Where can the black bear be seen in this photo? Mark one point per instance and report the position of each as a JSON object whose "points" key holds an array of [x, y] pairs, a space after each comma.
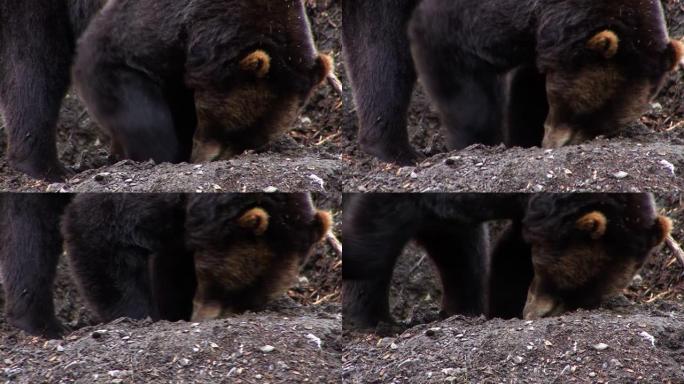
{"points": [[139, 65], [237, 70], [562, 252], [199, 233], [179, 257], [546, 72]]}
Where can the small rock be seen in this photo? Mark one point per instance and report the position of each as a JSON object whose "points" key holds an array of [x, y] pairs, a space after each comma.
{"points": [[620, 175], [271, 189], [592, 374], [267, 348], [518, 360], [394, 346], [184, 362], [669, 166], [600, 346], [315, 339], [258, 376], [60, 348], [118, 374], [413, 175]]}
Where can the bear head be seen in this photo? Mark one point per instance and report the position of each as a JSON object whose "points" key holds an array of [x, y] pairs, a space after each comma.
{"points": [[587, 248], [248, 248]]}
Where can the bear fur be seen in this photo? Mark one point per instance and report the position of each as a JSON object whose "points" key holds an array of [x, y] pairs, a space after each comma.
{"points": [[37, 45], [182, 257]]}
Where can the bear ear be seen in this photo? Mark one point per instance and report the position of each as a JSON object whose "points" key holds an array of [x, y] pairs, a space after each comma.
{"points": [[675, 55], [256, 219], [595, 223], [257, 62], [325, 67], [323, 222], [663, 228], [605, 43]]}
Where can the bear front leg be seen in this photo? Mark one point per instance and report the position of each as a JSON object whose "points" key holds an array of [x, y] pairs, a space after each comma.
{"points": [[381, 71], [460, 253], [135, 111], [30, 244], [511, 273], [36, 47]]}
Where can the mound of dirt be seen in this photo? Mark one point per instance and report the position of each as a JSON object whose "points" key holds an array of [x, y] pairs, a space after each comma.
{"points": [[262, 347], [638, 344]]}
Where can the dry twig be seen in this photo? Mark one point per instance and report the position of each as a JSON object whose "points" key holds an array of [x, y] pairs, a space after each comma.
{"points": [[334, 243]]}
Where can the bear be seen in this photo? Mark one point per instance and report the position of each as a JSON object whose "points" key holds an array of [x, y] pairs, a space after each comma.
{"points": [[231, 74], [561, 251], [31, 241], [244, 71], [187, 257], [531, 73]]}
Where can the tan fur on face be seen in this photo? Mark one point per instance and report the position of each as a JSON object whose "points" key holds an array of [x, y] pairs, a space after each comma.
{"points": [[605, 43], [594, 222], [234, 268], [257, 62], [255, 219], [592, 88]]}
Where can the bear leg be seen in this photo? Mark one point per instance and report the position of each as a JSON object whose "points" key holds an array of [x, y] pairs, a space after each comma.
{"points": [[460, 253], [30, 245], [135, 111], [36, 49], [382, 75]]}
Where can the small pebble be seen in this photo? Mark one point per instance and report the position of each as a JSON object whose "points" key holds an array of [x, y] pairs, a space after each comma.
{"points": [[267, 348], [270, 189], [620, 175], [600, 347], [184, 362]]}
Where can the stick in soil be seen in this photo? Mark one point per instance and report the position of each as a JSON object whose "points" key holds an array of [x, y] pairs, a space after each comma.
{"points": [[334, 243]]}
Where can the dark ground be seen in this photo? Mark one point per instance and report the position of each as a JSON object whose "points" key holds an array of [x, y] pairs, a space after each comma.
{"points": [[486, 351]]}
